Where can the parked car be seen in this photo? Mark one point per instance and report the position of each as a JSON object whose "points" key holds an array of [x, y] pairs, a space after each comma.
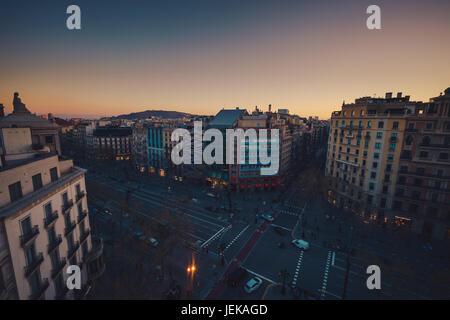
{"points": [[302, 244], [235, 277], [280, 231], [267, 217], [152, 242], [253, 284]]}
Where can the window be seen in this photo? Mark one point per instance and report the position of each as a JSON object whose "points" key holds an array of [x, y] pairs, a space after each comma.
{"points": [[360, 124], [390, 157], [380, 124], [411, 126], [376, 155], [395, 125], [366, 143], [429, 126], [379, 135], [375, 165], [15, 191], [377, 145], [48, 139], [369, 124], [35, 282], [409, 140], [37, 182], [54, 258], [443, 156], [420, 170], [48, 209], [30, 254], [426, 141], [373, 175], [65, 198], [51, 235], [371, 186], [392, 146], [423, 154], [54, 174]]}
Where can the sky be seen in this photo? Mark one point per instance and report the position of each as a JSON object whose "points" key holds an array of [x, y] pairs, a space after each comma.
{"points": [[201, 56]]}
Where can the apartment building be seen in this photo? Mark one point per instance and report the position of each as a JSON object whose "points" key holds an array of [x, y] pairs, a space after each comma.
{"points": [[44, 222], [380, 150], [364, 151], [112, 143], [422, 195]]}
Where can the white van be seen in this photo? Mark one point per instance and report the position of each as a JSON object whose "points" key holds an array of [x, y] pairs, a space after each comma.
{"points": [[302, 244]]}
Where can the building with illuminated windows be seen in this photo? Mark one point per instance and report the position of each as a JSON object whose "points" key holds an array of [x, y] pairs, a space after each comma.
{"points": [[375, 147]]}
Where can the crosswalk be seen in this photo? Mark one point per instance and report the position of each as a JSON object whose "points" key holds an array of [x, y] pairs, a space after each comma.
{"points": [[297, 269], [325, 275]]}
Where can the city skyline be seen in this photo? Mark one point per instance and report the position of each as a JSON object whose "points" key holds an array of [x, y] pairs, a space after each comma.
{"points": [[200, 58]]}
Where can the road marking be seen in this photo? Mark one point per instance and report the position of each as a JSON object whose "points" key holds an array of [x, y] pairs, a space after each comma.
{"points": [[323, 292], [332, 260], [325, 276], [297, 269], [276, 225], [207, 242], [258, 275], [235, 238]]}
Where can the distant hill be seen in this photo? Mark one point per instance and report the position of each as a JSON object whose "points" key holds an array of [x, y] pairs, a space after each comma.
{"points": [[161, 114]]}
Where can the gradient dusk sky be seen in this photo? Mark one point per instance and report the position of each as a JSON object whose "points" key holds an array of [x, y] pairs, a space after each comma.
{"points": [[199, 56]]}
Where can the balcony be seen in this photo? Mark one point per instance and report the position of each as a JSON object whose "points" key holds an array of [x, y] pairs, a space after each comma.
{"points": [[84, 235], [81, 216], [96, 266], [61, 264], [50, 219], [29, 237], [54, 244], [31, 267], [41, 290], [80, 195], [67, 206], [434, 146], [72, 250], [68, 229]]}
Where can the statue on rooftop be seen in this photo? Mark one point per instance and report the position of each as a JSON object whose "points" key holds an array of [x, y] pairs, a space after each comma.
{"points": [[19, 107]]}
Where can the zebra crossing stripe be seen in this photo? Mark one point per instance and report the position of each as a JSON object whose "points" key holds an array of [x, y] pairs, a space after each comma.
{"points": [[325, 276]]}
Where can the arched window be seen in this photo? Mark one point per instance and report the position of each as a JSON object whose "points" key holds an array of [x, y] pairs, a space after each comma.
{"points": [[409, 140]]}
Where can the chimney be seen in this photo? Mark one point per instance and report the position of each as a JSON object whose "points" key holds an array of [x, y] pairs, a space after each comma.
{"points": [[399, 94], [2, 110], [388, 95], [270, 108]]}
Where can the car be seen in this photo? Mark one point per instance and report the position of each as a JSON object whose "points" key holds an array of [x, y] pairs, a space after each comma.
{"points": [[235, 277], [209, 194], [280, 231], [302, 244], [267, 217], [253, 284], [152, 242]]}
